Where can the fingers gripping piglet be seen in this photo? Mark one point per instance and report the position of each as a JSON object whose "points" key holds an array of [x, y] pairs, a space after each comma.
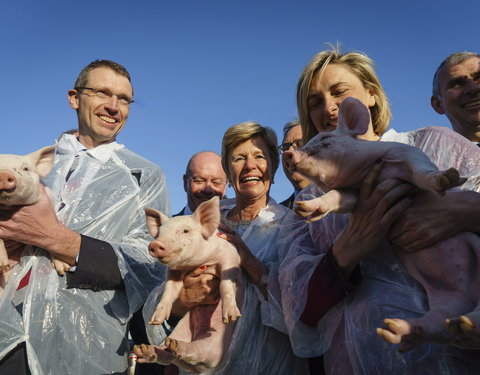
{"points": [[338, 162], [185, 243], [19, 186]]}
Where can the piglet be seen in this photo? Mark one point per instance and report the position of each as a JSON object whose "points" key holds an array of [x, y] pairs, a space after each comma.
{"points": [[185, 243], [449, 272], [19, 185]]}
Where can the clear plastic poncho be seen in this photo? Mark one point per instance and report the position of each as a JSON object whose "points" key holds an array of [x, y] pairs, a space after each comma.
{"points": [[346, 334], [256, 348], [79, 331]]}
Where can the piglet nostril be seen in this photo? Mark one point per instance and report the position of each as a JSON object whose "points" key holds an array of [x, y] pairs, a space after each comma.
{"points": [[156, 249], [7, 181]]}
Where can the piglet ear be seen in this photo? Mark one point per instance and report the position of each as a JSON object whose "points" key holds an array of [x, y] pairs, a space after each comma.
{"points": [[43, 160], [353, 117], [208, 215], [155, 219]]}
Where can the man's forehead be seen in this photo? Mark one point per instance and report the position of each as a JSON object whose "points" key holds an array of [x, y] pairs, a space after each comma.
{"points": [[294, 133], [464, 68], [104, 77]]}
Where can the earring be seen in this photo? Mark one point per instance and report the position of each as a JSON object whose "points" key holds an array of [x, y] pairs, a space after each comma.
{"points": [[229, 184]]}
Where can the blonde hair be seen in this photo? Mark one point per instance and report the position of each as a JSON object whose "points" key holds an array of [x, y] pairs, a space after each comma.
{"points": [[245, 131], [360, 65]]}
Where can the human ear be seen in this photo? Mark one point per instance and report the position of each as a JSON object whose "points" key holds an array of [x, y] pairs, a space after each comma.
{"points": [[371, 98], [73, 98], [437, 105]]}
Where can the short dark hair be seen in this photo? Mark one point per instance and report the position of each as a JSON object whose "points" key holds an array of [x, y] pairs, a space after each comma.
{"points": [[289, 125], [116, 67]]}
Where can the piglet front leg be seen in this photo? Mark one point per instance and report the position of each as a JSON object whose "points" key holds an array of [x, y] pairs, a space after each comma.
{"points": [[169, 296], [4, 263], [338, 201]]}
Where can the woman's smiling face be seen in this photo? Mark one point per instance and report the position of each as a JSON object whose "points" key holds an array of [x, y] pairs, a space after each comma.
{"points": [[250, 170], [328, 91]]}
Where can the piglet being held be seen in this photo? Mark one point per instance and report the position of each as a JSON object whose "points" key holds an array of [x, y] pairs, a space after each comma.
{"points": [[19, 186], [449, 272], [185, 243]]}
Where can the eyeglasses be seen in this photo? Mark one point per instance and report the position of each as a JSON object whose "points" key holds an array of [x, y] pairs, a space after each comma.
{"points": [[295, 144], [105, 95]]}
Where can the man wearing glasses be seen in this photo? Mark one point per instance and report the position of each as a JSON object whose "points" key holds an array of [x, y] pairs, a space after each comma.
{"points": [[292, 137], [78, 323]]}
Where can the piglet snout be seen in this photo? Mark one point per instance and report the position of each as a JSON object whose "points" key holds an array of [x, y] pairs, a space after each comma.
{"points": [[7, 181], [290, 159], [157, 249]]}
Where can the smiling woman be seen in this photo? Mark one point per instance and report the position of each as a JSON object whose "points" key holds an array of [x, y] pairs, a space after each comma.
{"points": [[259, 342]]}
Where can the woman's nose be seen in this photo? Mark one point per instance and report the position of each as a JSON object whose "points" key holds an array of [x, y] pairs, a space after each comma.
{"points": [[331, 107]]}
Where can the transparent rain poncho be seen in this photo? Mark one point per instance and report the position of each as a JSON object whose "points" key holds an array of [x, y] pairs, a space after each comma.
{"points": [[255, 348], [346, 334], [79, 331]]}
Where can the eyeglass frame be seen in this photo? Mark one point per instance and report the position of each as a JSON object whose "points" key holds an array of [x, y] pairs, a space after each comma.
{"points": [[285, 146], [107, 94]]}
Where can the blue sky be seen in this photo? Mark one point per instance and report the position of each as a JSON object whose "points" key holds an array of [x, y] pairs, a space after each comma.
{"points": [[199, 67]]}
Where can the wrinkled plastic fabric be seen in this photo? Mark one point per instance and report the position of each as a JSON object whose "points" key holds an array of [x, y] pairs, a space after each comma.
{"points": [[78, 331], [346, 334], [256, 348]]}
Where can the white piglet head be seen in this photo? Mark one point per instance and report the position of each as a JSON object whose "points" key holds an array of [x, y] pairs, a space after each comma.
{"points": [[183, 241], [322, 159], [20, 175]]}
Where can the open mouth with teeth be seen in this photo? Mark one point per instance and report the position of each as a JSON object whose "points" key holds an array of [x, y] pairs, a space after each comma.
{"points": [[107, 119], [472, 104], [332, 123], [250, 179]]}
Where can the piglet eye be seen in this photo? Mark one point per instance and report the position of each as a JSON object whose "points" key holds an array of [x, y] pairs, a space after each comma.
{"points": [[185, 230], [26, 169]]}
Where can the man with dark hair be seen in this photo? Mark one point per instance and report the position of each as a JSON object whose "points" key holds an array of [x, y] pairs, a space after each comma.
{"points": [[78, 323], [292, 138]]}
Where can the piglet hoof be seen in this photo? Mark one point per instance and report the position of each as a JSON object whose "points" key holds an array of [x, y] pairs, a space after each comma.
{"points": [[4, 267], [159, 315], [394, 331], [448, 179], [465, 330], [231, 314], [182, 351], [145, 353], [60, 266], [303, 208]]}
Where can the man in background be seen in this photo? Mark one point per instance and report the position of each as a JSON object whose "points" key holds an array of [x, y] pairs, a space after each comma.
{"points": [[456, 93], [203, 179], [292, 138]]}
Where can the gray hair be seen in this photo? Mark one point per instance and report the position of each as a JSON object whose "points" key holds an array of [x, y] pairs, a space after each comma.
{"points": [[289, 125], [453, 59]]}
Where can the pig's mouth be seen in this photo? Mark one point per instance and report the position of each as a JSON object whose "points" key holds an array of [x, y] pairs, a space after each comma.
{"points": [[7, 195]]}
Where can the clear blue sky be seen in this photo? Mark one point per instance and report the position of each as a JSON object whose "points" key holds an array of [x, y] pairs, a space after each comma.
{"points": [[200, 66]]}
